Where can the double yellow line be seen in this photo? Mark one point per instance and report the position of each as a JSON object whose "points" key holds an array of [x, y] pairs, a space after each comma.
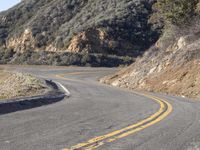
{"points": [[62, 76], [164, 110]]}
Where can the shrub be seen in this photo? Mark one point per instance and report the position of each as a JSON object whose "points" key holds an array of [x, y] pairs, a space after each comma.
{"points": [[8, 53], [176, 12]]}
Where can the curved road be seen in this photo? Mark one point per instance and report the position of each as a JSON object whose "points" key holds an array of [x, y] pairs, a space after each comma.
{"points": [[98, 116]]}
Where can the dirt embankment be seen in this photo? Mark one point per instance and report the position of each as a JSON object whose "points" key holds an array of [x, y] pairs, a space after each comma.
{"points": [[15, 85], [173, 70]]}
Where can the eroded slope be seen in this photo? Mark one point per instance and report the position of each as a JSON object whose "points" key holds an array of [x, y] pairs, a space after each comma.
{"points": [[172, 68]]}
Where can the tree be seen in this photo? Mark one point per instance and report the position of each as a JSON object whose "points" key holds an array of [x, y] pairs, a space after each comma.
{"points": [[175, 12]]}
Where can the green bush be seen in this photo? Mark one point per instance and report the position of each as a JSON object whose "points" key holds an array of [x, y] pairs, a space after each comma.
{"points": [[67, 59], [176, 12]]}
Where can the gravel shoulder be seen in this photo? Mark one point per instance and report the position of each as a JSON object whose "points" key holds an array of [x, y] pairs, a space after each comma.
{"points": [[16, 85]]}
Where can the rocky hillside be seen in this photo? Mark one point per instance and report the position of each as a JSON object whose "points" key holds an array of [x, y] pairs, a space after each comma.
{"points": [[117, 27], [171, 66]]}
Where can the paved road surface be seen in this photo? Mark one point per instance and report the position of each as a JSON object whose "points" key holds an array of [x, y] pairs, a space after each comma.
{"points": [[119, 119]]}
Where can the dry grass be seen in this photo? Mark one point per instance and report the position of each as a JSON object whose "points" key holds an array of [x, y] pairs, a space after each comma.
{"points": [[182, 81]]}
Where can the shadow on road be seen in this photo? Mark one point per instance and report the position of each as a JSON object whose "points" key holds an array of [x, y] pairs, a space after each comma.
{"points": [[27, 104]]}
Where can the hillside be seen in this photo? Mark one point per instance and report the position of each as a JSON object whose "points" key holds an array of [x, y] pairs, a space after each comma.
{"points": [[117, 27], [171, 67]]}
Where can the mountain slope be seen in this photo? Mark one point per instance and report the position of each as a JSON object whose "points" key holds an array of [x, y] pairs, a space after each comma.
{"points": [[102, 26], [171, 66]]}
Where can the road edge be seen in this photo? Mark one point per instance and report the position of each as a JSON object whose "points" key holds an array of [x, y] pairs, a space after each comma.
{"points": [[18, 104]]}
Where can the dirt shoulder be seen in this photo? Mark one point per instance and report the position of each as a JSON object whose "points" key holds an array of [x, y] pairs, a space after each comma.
{"points": [[15, 85]]}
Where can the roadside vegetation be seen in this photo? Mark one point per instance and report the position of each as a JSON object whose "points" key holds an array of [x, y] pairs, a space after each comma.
{"points": [[63, 59], [176, 18], [176, 12]]}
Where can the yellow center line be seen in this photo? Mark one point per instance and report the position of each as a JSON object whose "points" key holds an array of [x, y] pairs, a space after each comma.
{"points": [[164, 110], [62, 76], [77, 73]]}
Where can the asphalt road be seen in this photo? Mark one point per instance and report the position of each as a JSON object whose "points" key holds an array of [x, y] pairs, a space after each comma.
{"points": [[98, 116]]}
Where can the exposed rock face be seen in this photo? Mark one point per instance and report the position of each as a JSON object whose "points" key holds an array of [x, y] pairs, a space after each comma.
{"points": [[114, 27], [25, 42], [93, 40], [98, 41], [174, 70]]}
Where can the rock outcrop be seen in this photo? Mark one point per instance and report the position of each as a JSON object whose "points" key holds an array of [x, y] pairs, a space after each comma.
{"points": [[23, 43], [90, 41], [98, 41]]}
